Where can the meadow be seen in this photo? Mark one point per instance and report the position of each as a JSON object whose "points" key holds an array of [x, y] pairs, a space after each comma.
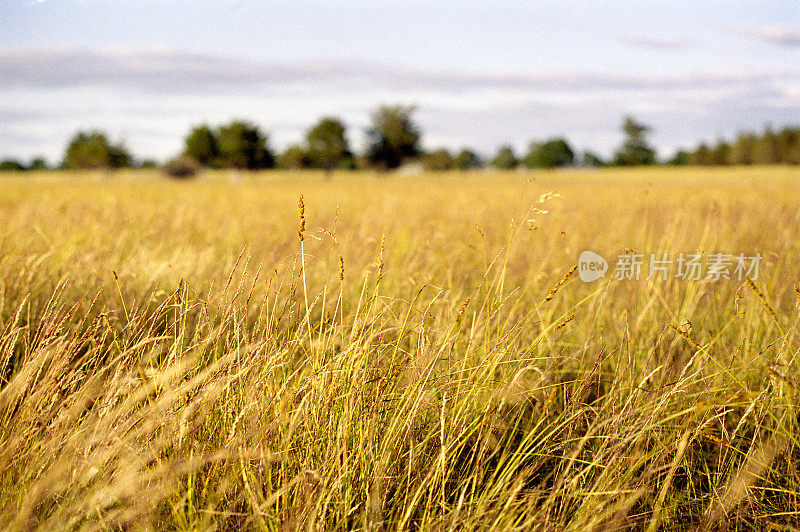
{"points": [[398, 352]]}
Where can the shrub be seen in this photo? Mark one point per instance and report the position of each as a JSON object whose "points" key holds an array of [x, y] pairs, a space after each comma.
{"points": [[93, 150], [11, 165], [181, 167], [437, 161], [467, 160], [553, 153]]}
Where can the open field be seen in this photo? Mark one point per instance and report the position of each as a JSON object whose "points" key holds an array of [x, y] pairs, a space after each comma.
{"points": [[173, 357]]}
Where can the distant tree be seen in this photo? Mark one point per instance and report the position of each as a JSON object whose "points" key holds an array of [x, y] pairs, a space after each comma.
{"points": [[789, 141], [467, 160], [11, 165], [591, 160], [793, 157], [393, 136], [505, 158], [767, 149], [327, 145], [93, 150], [681, 158], [743, 150], [38, 163], [781, 147], [635, 150], [720, 155], [293, 158], [201, 145], [789, 145], [348, 163], [701, 156], [552, 153], [437, 160], [242, 145]]}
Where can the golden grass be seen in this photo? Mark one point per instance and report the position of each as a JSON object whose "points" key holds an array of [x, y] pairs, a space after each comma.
{"points": [[172, 356]]}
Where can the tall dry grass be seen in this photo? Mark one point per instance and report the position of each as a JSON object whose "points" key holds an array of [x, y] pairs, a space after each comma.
{"points": [[422, 356]]}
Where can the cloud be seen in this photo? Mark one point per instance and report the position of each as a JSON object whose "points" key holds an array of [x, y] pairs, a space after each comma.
{"points": [[164, 71], [20, 115], [147, 70], [654, 44], [149, 98], [785, 36]]}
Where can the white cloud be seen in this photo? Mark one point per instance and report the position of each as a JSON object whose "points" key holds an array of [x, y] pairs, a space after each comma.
{"points": [[655, 43], [151, 97], [780, 35], [160, 71]]}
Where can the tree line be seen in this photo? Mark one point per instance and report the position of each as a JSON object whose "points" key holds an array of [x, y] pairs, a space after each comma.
{"points": [[393, 139], [769, 147]]}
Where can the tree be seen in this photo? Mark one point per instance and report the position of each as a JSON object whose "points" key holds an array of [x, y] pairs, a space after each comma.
{"points": [[681, 158], [591, 160], [327, 146], [553, 153], [93, 150], [789, 142], [767, 150], [38, 163], [743, 149], [242, 145], [505, 158], [720, 155], [393, 136], [467, 160], [11, 165], [789, 145], [201, 145], [437, 160], [701, 156], [293, 158], [635, 150]]}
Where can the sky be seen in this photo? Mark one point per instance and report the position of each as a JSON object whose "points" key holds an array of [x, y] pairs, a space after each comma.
{"points": [[480, 73]]}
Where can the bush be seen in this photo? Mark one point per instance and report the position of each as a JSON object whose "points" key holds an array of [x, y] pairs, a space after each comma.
{"points": [[11, 165], [93, 150], [437, 161], [505, 158], [293, 158], [38, 163], [553, 153], [181, 167], [326, 145], [467, 160], [242, 145]]}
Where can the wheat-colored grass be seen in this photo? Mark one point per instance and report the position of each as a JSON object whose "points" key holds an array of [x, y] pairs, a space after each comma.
{"points": [[418, 354]]}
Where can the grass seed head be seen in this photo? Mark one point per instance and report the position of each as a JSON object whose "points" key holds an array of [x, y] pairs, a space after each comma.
{"points": [[763, 299], [380, 258], [302, 209], [462, 310], [687, 336], [564, 322], [560, 283]]}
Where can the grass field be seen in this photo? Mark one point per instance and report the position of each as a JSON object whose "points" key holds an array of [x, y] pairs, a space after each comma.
{"points": [[173, 356]]}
